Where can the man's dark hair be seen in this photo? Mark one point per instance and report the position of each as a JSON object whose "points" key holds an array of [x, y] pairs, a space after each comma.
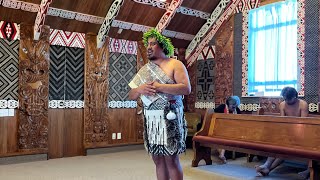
{"points": [[289, 93]]}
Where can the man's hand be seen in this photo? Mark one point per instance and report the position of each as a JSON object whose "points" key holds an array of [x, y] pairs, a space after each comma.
{"points": [[147, 89]]}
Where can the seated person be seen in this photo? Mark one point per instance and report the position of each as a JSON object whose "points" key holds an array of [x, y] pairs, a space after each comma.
{"points": [[291, 106], [231, 106]]}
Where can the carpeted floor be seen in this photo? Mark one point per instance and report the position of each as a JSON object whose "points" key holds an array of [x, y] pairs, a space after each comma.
{"points": [[125, 163]]}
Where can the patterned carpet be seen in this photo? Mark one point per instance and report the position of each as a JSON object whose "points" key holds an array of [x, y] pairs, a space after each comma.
{"points": [[124, 163]]}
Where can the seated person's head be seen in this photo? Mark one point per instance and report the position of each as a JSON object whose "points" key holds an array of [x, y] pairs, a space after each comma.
{"points": [[233, 102], [289, 95]]}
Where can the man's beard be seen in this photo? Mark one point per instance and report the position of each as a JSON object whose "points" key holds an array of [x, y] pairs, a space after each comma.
{"points": [[152, 58]]}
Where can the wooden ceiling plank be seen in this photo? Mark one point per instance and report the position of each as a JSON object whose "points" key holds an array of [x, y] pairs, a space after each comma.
{"points": [[143, 28], [225, 16], [40, 19], [205, 28], [105, 27], [181, 9], [168, 15]]}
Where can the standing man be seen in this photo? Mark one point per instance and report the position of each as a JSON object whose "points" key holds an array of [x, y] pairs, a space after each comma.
{"points": [[291, 106], [160, 84]]}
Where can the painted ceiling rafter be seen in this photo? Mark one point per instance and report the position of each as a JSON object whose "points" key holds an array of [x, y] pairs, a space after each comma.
{"points": [[205, 28], [168, 15], [40, 19], [225, 16], [181, 9], [105, 27]]}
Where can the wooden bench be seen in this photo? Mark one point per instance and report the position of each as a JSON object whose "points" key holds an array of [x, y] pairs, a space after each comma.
{"points": [[275, 136]]}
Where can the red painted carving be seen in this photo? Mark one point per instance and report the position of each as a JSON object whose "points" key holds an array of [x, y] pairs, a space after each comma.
{"points": [[224, 63], [141, 60], [270, 104], [96, 119], [191, 98], [33, 89]]}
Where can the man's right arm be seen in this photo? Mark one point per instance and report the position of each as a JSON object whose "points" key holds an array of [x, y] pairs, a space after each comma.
{"points": [[144, 89], [281, 107]]}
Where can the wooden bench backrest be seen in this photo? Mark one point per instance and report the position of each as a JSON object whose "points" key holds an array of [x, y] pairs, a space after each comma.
{"points": [[206, 122], [293, 132], [261, 111]]}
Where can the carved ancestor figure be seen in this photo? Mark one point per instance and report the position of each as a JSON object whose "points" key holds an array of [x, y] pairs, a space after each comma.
{"points": [[141, 61], [224, 63], [33, 89], [96, 93]]}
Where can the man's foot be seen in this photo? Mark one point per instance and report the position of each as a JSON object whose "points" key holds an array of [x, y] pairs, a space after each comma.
{"points": [[262, 170], [304, 174], [223, 159]]}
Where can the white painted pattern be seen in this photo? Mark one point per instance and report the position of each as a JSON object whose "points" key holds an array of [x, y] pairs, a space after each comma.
{"points": [[62, 104], [8, 104], [205, 28], [181, 9], [224, 16], [105, 27], [30, 7], [168, 15], [204, 105], [41, 15], [122, 104], [25, 6]]}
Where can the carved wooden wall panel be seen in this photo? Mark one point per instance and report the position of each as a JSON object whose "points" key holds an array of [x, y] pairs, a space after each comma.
{"points": [[8, 134], [224, 62], [33, 89], [191, 98], [141, 60], [96, 119], [270, 104]]}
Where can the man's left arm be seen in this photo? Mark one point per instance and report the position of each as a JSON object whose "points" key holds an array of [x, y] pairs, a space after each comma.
{"points": [[182, 86]]}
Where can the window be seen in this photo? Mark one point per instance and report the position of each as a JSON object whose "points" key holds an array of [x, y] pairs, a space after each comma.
{"points": [[272, 48]]}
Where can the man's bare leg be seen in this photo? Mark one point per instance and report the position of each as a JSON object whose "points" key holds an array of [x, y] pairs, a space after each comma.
{"points": [[221, 155], [174, 167], [305, 174], [263, 170], [276, 163], [161, 168]]}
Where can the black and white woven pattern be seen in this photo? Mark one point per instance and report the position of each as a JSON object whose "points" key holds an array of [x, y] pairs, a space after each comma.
{"points": [[66, 73], [9, 70], [74, 86], [311, 51], [205, 80], [122, 68], [57, 73]]}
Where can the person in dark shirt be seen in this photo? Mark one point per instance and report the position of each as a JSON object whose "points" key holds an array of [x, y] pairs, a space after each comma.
{"points": [[231, 106]]}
